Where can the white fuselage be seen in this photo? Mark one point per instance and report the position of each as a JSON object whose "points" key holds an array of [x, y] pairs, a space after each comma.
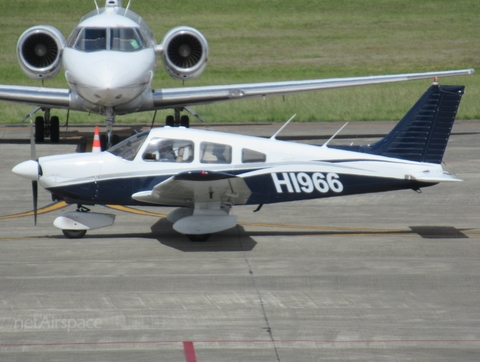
{"points": [[109, 60]]}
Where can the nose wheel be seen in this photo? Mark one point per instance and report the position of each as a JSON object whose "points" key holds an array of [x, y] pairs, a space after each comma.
{"points": [[47, 126]]}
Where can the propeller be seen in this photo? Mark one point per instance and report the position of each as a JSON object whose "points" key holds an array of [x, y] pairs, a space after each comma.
{"points": [[33, 157]]}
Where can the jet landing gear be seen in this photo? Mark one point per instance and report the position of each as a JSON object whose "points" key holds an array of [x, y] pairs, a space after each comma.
{"points": [[177, 120], [47, 126], [181, 121]]}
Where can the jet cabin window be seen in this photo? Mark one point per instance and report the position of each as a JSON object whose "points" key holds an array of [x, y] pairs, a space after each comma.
{"points": [[115, 39], [169, 150], [215, 153]]}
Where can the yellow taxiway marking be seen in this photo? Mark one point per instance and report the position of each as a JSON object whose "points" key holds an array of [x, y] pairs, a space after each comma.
{"points": [[350, 230], [135, 211], [43, 210], [332, 229]]}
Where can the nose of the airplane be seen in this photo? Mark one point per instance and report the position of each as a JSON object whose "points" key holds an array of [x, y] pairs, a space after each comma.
{"points": [[109, 82], [27, 169]]}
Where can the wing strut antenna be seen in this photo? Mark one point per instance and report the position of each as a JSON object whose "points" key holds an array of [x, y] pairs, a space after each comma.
{"points": [[281, 128], [331, 138]]}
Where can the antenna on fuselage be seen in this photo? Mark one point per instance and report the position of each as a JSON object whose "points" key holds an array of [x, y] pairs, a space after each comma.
{"points": [[281, 128], [331, 138], [128, 6], [96, 5]]}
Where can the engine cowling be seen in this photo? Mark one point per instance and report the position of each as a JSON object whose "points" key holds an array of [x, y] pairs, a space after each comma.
{"points": [[39, 51], [184, 53]]}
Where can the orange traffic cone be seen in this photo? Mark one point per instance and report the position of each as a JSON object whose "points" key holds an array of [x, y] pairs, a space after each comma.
{"points": [[96, 147]]}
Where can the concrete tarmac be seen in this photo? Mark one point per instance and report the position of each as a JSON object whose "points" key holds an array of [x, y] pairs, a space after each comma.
{"points": [[381, 277]]}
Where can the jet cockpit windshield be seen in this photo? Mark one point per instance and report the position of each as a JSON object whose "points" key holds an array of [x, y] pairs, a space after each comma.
{"points": [[129, 148], [120, 39]]}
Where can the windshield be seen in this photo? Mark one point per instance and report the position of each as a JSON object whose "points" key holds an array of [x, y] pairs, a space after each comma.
{"points": [[128, 148], [115, 39]]}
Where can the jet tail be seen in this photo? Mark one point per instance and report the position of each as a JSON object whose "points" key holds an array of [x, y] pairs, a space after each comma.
{"points": [[423, 133]]}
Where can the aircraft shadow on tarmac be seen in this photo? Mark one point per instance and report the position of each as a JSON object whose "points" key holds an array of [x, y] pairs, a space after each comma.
{"points": [[426, 232], [234, 239], [237, 239]]}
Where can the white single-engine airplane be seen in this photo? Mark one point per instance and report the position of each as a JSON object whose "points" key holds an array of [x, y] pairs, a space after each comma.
{"points": [[109, 62], [205, 173]]}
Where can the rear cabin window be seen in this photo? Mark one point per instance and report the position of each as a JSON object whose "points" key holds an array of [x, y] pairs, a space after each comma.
{"points": [[169, 150], [215, 153], [251, 156]]}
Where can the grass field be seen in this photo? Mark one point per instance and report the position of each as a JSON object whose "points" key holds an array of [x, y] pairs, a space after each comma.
{"points": [[255, 40]]}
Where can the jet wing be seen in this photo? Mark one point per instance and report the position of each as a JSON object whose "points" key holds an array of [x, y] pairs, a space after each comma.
{"points": [[64, 98], [36, 96], [182, 97], [188, 188]]}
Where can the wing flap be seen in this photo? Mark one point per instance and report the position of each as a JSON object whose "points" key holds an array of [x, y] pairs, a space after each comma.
{"points": [[188, 188]]}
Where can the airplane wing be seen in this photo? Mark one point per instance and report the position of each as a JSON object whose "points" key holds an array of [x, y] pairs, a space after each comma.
{"points": [[64, 98], [188, 188], [182, 97], [36, 96]]}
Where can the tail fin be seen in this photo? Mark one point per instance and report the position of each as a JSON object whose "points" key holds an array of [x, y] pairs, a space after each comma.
{"points": [[423, 133]]}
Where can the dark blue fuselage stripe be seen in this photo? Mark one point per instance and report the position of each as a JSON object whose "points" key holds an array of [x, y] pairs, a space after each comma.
{"points": [[263, 188]]}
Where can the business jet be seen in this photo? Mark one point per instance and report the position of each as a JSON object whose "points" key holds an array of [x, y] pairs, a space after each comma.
{"points": [[203, 174], [109, 63]]}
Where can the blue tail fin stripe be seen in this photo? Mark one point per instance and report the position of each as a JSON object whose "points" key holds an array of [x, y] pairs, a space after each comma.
{"points": [[423, 133]]}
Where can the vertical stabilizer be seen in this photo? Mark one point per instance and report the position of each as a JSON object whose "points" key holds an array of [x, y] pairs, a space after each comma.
{"points": [[422, 135]]}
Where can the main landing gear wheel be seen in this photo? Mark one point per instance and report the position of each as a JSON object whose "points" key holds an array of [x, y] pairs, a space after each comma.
{"points": [[177, 120], [47, 127], [196, 237], [74, 234], [39, 129]]}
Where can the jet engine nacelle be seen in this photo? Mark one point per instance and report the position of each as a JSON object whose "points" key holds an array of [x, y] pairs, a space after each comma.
{"points": [[39, 51], [184, 53]]}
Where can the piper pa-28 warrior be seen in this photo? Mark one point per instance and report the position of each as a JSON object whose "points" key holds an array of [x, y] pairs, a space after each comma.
{"points": [[109, 62], [204, 173]]}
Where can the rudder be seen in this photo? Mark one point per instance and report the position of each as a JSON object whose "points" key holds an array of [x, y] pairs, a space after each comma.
{"points": [[422, 135]]}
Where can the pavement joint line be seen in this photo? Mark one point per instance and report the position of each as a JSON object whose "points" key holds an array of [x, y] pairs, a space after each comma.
{"points": [[253, 341]]}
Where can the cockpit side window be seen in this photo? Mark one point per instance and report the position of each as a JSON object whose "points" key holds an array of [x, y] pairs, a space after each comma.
{"points": [[73, 37], [92, 40], [129, 148], [169, 150]]}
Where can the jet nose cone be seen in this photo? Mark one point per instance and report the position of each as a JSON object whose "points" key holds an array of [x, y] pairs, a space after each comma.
{"points": [[27, 169]]}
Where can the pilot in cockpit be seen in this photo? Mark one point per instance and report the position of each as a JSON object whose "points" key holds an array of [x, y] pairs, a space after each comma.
{"points": [[166, 153]]}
